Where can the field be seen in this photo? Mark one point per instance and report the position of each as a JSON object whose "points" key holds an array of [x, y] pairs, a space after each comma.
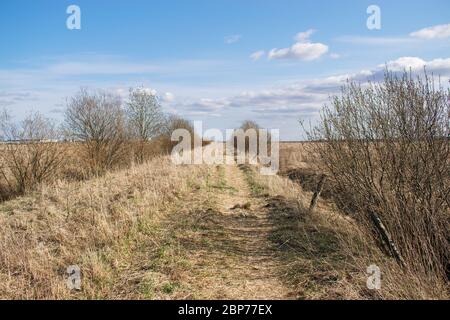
{"points": [[161, 231], [330, 180], [294, 155]]}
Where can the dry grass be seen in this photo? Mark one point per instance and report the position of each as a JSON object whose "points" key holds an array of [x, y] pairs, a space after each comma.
{"points": [[327, 253], [71, 164], [101, 225], [293, 155], [160, 231]]}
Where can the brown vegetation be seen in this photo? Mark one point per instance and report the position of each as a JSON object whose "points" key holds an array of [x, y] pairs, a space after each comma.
{"points": [[98, 135], [23, 166], [97, 121], [386, 151], [109, 226]]}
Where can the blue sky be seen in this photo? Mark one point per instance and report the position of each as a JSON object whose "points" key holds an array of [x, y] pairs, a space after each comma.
{"points": [[219, 61]]}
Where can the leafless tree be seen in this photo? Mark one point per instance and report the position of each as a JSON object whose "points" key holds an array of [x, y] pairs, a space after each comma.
{"points": [[385, 145], [173, 123], [249, 124], [170, 124], [97, 121], [145, 118], [31, 153]]}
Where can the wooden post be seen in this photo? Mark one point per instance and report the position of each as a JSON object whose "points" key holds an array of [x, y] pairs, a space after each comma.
{"points": [[316, 195]]}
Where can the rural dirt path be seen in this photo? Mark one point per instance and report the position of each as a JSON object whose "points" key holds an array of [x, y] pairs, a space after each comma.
{"points": [[235, 258]]}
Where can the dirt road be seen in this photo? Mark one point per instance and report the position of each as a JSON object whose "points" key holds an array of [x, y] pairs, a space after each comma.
{"points": [[233, 257]]}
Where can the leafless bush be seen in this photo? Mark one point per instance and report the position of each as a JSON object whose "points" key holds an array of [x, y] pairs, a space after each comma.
{"points": [[145, 120], [30, 153], [98, 122], [385, 145]]}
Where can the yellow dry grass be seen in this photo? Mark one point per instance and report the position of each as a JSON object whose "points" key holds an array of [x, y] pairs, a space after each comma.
{"points": [[94, 224], [293, 155], [161, 231]]}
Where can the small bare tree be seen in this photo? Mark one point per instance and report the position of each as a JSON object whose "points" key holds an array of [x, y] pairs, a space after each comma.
{"points": [[145, 118], [97, 121], [30, 153]]}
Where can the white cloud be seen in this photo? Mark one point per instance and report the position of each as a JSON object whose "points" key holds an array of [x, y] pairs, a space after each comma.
{"points": [[435, 32], [257, 55], [232, 38], [304, 36], [306, 97], [303, 49], [438, 67], [403, 63], [42, 89]]}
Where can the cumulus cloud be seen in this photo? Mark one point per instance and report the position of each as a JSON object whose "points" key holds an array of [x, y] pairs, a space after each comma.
{"points": [[439, 67], [257, 55], [406, 63], [233, 38], [303, 49], [435, 32]]}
